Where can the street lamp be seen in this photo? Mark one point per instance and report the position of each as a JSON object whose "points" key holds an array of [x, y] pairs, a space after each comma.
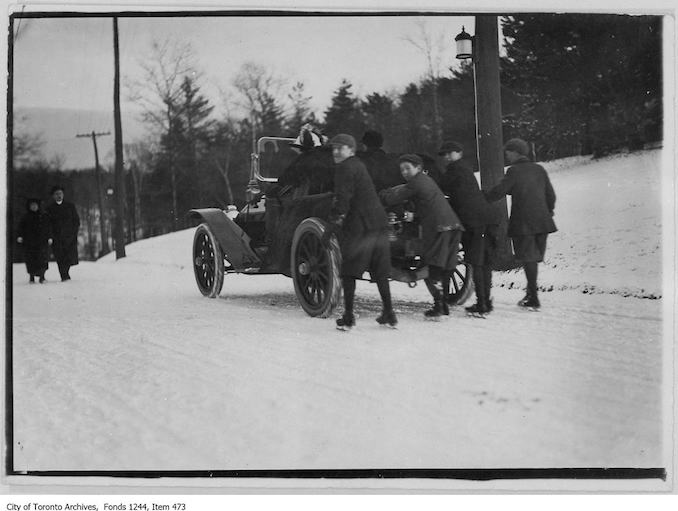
{"points": [[464, 42], [483, 49]]}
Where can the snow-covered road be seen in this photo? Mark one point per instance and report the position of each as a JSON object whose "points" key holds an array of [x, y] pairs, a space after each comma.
{"points": [[128, 367], [167, 380]]}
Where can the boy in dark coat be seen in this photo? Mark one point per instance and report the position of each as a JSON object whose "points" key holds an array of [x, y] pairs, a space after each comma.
{"points": [[477, 217], [382, 167], [441, 228], [34, 235], [362, 227], [65, 223], [532, 203]]}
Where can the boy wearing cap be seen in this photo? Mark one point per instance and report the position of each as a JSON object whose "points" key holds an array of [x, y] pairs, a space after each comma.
{"points": [[362, 226], [532, 203], [441, 228], [477, 217]]}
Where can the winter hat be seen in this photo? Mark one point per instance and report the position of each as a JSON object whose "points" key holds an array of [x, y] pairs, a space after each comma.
{"points": [[450, 146], [373, 138], [344, 139], [308, 138], [32, 200], [517, 145], [414, 159]]}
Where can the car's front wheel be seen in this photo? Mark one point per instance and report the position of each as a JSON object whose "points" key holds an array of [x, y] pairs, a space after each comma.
{"points": [[208, 261], [315, 268]]}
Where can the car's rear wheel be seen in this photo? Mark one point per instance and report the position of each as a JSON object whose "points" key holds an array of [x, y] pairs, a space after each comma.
{"points": [[461, 282], [208, 261], [315, 268]]}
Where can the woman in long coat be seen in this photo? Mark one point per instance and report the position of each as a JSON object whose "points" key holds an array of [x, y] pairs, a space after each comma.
{"points": [[65, 223], [34, 235], [440, 226]]}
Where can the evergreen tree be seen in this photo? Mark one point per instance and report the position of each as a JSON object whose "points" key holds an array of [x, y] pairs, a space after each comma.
{"points": [[271, 116], [588, 82], [301, 110], [379, 113], [192, 141], [344, 114]]}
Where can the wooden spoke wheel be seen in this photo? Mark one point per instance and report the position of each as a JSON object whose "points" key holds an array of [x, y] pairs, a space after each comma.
{"points": [[208, 261], [461, 282], [315, 268]]}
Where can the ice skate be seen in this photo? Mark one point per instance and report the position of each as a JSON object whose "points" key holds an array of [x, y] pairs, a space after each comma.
{"points": [[478, 310], [530, 303], [437, 312], [388, 318], [346, 323]]}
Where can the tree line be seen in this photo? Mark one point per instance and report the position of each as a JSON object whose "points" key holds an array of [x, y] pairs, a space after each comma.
{"points": [[571, 84]]}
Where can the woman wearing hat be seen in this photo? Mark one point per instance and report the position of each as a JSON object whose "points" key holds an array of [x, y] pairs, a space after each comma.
{"points": [[34, 235], [532, 203], [441, 228]]}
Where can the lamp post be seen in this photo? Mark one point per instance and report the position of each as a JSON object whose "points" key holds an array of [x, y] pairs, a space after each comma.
{"points": [[483, 48]]}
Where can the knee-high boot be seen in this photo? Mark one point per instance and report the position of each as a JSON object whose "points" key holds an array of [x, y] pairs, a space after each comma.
{"points": [[479, 283], [531, 276], [348, 284], [487, 282]]}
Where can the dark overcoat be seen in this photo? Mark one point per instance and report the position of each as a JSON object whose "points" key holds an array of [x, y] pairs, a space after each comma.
{"points": [[382, 167], [363, 219], [65, 223], [35, 231], [465, 197], [532, 198], [312, 171], [432, 209]]}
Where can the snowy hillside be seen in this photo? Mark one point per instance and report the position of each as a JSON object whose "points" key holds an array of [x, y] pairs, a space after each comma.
{"points": [[128, 367]]}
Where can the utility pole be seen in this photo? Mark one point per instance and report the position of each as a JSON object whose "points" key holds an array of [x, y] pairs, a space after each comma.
{"points": [[488, 117], [119, 173], [100, 193]]}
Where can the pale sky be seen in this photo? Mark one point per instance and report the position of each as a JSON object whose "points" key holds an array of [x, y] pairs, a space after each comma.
{"points": [[68, 62]]}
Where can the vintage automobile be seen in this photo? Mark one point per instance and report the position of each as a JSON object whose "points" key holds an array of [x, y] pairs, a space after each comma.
{"points": [[229, 241]]}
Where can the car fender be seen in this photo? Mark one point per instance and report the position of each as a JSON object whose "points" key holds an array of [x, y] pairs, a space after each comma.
{"points": [[234, 242]]}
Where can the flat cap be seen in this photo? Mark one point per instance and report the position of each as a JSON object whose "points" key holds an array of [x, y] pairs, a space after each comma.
{"points": [[450, 146], [344, 139], [517, 145], [414, 159]]}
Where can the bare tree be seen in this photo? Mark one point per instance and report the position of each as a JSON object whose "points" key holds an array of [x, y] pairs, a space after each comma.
{"points": [[260, 91], [27, 146], [159, 94], [431, 46], [139, 158]]}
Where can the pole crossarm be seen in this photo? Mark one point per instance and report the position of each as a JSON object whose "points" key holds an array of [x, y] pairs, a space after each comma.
{"points": [[93, 134]]}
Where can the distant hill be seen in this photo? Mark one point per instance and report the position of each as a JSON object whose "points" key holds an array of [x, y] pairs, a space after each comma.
{"points": [[59, 127]]}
